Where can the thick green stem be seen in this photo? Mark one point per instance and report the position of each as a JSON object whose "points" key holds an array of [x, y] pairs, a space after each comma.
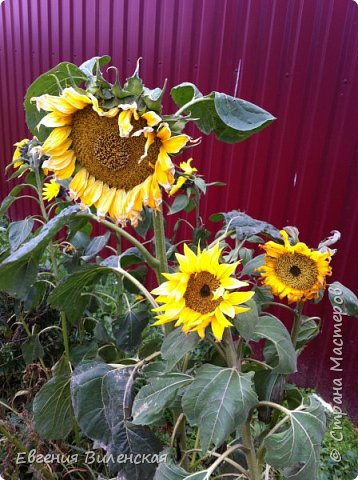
{"points": [[161, 254], [230, 350], [152, 262], [189, 104], [297, 322], [250, 454], [160, 250]]}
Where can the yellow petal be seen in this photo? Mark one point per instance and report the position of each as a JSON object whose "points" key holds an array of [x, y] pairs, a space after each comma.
{"points": [[66, 172], [105, 201], [164, 132], [175, 144], [79, 183], [76, 99], [57, 137], [92, 193], [53, 103], [124, 123], [152, 118], [58, 163], [177, 186], [55, 119]]}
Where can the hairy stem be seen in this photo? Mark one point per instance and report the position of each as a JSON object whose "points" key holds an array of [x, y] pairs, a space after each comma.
{"points": [[251, 458], [230, 350], [297, 322]]}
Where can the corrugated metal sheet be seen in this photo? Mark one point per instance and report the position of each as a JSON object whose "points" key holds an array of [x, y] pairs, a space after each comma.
{"points": [[297, 59]]}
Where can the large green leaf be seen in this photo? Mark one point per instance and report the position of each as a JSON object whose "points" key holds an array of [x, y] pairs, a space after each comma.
{"points": [[244, 225], [152, 399], [343, 299], [246, 322], [127, 329], [217, 402], [32, 349], [66, 74], [19, 232], [95, 246], [274, 331], [295, 449], [170, 471], [52, 409], [68, 297], [232, 119], [10, 199], [19, 270], [176, 345], [102, 398]]}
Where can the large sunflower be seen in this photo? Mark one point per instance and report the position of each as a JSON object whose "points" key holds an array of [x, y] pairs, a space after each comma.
{"points": [[294, 271], [108, 152], [199, 294]]}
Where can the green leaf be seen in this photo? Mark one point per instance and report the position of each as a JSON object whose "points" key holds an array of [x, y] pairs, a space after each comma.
{"points": [[251, 266], [296, 449], [343, 300], [134, 84], [217, 402], [10, 199], [245, 226], [152, 399], [176, 345], [179, 204], [170, 471], [102, 397], [131, 256], [53, 410], [67, 296], [231, 119], [95, 246], [127, 329], [246, 322], [274, 331], [308, 331], [153, 98], [66, 74], [19, 270], [19, 232], [89, 66], [32, 349]]}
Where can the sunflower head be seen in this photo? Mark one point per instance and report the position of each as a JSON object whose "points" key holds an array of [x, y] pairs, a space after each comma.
{"points": [[200, 293], [294, 271], [187, 170], [119, 158], [20, 151]]}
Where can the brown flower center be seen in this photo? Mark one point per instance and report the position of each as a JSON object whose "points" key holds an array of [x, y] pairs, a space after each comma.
{"points": [[108, 157], [199, 292], [296, 270]]}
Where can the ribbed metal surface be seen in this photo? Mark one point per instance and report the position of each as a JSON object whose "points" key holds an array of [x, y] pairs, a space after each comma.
{"points": [[297, 59]]}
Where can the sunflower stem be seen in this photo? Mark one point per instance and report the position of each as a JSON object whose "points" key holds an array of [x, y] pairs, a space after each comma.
{"points": [[161, 254], [66, 344], [152, 261], [254, 468], [230, 350], [297, 322]]}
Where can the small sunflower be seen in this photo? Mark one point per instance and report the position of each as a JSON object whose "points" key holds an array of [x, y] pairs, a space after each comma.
{"points": [[17, 154], [187, 170], [51, 190], [294, 271], [118, 161], [199, 294]]}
